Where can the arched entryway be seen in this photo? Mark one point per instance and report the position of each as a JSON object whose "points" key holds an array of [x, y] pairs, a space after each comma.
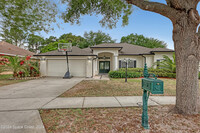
{"points": [[105, 62]]}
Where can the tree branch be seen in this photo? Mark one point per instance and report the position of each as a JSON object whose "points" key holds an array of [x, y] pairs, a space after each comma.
{"points": [[156, 7]]}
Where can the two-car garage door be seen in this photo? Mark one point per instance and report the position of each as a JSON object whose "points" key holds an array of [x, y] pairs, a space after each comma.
{"points": [[59, 67]]}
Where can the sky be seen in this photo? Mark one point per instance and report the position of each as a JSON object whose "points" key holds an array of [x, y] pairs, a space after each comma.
{"points": [[140, 22]]}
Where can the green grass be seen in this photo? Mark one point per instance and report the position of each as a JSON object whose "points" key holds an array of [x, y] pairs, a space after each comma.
{"points": [[5, 80], [115, 87], [6, 76]]}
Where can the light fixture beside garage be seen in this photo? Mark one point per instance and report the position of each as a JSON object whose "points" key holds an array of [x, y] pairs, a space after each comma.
{"points": [[43, 59], [89, 59]]}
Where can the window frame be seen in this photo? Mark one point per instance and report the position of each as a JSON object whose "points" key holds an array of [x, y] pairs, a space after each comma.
{"points": [[134, 64]]}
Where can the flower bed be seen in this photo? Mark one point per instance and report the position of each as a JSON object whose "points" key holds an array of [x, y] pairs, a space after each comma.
{"points": [[20, 66]]}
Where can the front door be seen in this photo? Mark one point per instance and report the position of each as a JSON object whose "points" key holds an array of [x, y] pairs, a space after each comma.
{"points": [[104, 66]]}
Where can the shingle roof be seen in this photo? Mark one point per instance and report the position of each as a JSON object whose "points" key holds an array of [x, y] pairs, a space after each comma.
{"points": [[161, 50], [124, 49], [10, 49], [130, 49], [75, 52]]}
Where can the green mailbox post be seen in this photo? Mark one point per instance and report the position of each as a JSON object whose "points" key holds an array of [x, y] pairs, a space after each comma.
{"points": [[149, 85]]}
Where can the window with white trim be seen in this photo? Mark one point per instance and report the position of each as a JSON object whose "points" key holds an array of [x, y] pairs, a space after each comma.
{"points": [[158, 62], [131, 64]]}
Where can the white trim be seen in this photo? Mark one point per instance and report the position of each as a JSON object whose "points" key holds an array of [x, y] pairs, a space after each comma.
{"points": [[128, 63]]}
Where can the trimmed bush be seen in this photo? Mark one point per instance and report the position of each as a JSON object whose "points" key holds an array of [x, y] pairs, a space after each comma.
{"points": [[166, 75], [122, 74], [138, 72], [151, 70]]}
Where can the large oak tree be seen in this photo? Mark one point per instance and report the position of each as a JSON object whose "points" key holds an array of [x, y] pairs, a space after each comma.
{"points": [[185, 18], [19, 18]]}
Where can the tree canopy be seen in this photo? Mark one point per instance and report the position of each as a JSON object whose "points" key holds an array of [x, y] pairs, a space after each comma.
{"points": [[95, 38], [90, 38], [18, 18], [143, 41], [35, 43], [52, 46], [112, 11], [69, 37]]}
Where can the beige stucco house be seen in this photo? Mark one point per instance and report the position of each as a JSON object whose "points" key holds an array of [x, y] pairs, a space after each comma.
{"points": [[99, 59]]}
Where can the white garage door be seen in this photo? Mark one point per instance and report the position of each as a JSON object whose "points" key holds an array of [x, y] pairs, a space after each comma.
{"points": [[59, 68]]}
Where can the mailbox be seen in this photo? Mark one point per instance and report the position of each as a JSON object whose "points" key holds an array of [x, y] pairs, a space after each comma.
{"points": [[149, 85], [155, 86]]}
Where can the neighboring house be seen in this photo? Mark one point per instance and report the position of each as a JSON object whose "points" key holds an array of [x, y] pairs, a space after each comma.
{"points": [[12, 50], [99, 59]]}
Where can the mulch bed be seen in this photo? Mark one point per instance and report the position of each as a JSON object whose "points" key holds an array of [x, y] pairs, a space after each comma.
{"points": [[118, 120]]}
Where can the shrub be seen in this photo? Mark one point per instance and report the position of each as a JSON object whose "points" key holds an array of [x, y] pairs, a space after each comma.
{"points": [[151, 70], [122, 74], [21, 66], [166, 75], [132, 69], [138, 72]]}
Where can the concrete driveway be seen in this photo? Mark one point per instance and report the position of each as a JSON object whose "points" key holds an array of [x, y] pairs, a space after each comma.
{"points": [[19, 103]]}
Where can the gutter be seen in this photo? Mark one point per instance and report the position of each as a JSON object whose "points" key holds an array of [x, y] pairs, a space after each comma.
{"points": [[161, 51], [64, 55], [18, 55]]}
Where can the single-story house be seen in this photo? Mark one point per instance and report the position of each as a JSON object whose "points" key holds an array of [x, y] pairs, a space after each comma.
{"points": [[12, 50], [99, 59]]}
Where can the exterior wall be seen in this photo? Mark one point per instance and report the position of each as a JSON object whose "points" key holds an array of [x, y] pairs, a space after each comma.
{"points": [[159, 55], [114, 51], [139, 60], [43, 67], [89, 68], [149, 60]]}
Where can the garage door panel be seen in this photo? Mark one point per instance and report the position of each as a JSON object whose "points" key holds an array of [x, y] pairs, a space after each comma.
{"points": [[77, 68], [59, 68]]}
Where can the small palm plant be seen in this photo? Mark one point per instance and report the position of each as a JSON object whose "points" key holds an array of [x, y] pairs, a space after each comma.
{"points": [[16, 65], [167, 63], [34, 68]]}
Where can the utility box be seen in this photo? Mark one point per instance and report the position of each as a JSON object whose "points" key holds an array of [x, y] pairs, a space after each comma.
{"points": [[155, 86]]}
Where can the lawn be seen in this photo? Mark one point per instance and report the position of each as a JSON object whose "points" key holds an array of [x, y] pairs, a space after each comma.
{"points": [[5, 80], [115, 87], [106, 120]]}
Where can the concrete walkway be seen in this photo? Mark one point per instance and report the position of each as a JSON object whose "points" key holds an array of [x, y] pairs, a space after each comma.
{"points": [[118, 101], [19, 103], [101, 77]]}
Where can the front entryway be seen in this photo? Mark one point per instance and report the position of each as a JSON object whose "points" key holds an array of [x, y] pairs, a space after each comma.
{"points": [[104, 66]]}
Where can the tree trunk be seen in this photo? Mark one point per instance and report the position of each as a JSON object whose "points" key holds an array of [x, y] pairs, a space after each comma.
{"points": [[187, 65]]}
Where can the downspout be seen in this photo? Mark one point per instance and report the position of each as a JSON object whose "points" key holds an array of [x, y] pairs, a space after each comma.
{"points": [[144, 58]]}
